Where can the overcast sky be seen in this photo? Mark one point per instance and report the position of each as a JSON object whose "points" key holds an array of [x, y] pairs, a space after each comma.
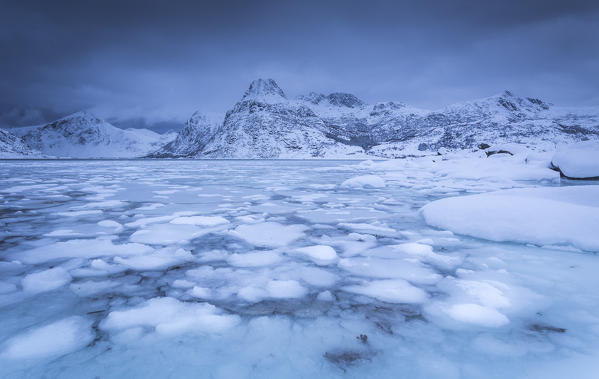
{"points": [[153, 61]]}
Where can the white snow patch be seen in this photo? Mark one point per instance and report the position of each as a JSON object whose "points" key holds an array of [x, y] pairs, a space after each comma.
{"points": [[579, 160], [320, 254], [390, 291], [477, 315], [111, 224], [170, 316], [543, 216], [269, 234], [364, 181], [46, 280], [81, 248], [61, 337], [285, 289]]}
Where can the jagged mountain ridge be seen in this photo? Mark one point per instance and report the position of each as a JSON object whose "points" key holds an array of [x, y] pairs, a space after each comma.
{"points": [[266, 124], [191, 139], [83, 135]]}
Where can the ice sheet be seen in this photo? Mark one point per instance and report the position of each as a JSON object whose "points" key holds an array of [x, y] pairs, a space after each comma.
{"points": [[278, 269]]}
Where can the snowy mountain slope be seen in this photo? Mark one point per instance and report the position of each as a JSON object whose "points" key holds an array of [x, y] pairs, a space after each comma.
{"points": [[82, 135], [12, 146], [198, 131], [267, 124]]}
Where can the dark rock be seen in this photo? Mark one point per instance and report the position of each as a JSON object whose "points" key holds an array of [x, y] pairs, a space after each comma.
{"points": [[542, 328], [493, 152]]}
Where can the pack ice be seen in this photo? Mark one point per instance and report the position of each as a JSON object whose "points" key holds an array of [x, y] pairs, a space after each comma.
{"points": [[451, 266]]}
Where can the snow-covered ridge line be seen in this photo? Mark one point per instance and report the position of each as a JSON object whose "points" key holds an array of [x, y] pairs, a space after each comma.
{"points": [[266, 124], [83, 135]]}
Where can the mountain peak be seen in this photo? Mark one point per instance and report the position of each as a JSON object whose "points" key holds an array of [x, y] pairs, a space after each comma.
{"points": [[264, 89], [344, 99], [80, 116], [312, 97], [197, 118]]}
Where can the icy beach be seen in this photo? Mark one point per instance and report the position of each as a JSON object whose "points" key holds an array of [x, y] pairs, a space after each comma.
{"points": [[454, 266]]}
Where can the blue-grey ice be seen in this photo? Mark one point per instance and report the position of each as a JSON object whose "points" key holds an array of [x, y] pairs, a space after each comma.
{"points": [[461, 267]]}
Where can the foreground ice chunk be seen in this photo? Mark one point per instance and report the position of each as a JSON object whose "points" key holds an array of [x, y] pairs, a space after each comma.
{"points": [[364, 181], [390, 269], [285, 289], [81, 248], [477, 314], [320, 254], [426, 254], [111, 224], [390, 291], [269, 234], [544, 216], [579, 160], [325, 296], [158, 260], [61, 337], [171, 316], [46, 280], [165, 234]]}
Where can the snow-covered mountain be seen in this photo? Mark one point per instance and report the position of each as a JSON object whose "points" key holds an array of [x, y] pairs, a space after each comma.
{"points": [[12, 146], [267, 124], [83, 135], [263, 124], [191, 139]]}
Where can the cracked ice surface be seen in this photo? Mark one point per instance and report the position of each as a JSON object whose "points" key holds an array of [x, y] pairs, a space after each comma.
{"points": [[285, 269]]}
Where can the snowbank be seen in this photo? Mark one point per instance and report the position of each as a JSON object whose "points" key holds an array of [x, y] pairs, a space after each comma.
{"points": [[543, 216], [578, 161]]}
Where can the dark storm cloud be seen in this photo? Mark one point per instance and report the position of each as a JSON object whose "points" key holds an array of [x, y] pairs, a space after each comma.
{"points": [[160, 61]]}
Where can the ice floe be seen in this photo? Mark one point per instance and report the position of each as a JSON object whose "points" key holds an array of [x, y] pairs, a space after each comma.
{"points": [[364, 181], [60, 337], [168, 316], [319, 254], [269, 234], [46, 280], [391, 291], [271, 269]]}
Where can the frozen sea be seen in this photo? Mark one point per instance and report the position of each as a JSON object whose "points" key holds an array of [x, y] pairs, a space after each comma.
{"points": [[281, 269]]}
